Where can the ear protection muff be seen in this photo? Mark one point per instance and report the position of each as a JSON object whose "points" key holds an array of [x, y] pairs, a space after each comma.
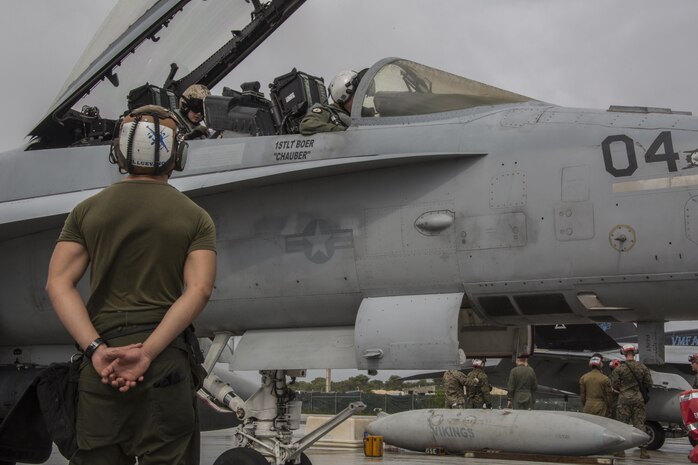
{"points": [[628, 348], [144, 138]]}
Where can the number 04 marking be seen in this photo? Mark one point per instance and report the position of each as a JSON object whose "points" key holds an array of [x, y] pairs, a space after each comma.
{"points": [[668, 156]]}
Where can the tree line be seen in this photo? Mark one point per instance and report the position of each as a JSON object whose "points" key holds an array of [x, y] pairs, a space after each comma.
{"points": [[363, 383]]}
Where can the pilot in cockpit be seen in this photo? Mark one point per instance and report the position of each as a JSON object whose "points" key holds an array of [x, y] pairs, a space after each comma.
{"points": [[191, 111], [334, 116]]}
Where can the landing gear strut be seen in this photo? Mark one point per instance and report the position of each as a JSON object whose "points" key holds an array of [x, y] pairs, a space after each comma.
{"points": [[269, 417]]}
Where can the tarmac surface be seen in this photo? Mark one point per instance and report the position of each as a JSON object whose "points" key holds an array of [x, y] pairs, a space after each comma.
{"points": [[674, 451]]}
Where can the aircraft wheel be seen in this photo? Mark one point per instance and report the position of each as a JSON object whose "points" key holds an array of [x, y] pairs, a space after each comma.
{"points": [[656, 434], [241, 456], [304, 460]]}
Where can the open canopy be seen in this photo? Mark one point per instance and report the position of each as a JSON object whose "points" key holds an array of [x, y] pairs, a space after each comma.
{"points": [[139, 41], [172, 44]]}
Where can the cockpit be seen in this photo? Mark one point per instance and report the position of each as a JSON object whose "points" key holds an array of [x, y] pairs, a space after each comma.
{"points": [[392, 88], [118, 72]]}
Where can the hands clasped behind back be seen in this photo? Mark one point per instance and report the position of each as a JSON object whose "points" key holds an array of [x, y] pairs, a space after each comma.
{"points": [[122, 367]]}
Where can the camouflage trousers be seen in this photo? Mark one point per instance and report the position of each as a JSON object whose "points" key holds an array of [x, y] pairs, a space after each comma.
{"points": [[632, 413], [613, 413], [474, 402], [455, 402]]}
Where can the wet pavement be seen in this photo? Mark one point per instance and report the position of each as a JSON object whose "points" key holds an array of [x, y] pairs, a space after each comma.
{"points": [[674, 451]]}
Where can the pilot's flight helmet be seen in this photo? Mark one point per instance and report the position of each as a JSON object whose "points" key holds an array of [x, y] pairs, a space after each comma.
{"points": [[193, 98], [148, 141], [614, 364], [478, 363], [628, 348], [693, 358], [595, 361], [343, 86]]}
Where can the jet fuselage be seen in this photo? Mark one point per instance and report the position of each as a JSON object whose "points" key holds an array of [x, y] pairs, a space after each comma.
{"points": [[523, 207]]}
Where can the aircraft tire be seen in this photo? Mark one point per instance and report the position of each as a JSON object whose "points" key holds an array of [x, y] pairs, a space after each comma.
{"points": [[656, 434], [241, 456], [304, 460]]}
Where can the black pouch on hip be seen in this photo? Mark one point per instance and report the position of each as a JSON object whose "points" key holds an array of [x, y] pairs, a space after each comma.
{"points": [[196, 357], [57, 391]]}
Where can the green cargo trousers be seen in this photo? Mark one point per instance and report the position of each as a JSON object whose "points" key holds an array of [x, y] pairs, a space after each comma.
{"points": [[156, 421]]}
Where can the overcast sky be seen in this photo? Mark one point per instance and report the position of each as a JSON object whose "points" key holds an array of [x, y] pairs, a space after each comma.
{"points": [[581, 53]]}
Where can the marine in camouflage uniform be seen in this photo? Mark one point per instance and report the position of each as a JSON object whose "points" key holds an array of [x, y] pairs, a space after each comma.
{"points": [[627, 379], [595, 391], [522, 384], [325, 118], [478, 389], [454, 381]]}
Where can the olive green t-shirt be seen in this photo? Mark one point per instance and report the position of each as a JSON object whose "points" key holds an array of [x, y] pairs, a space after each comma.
{"points": [[138, 235]]}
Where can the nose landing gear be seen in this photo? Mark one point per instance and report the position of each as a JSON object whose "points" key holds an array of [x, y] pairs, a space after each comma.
{"points": [[268, 417]]}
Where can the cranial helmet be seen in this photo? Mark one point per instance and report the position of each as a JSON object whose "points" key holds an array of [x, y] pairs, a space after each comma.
{"points": [[628, 348], [193, 97], [595, 362], [343, 86], [478, 363], [614, 364], [148, 141], [693, 358]]}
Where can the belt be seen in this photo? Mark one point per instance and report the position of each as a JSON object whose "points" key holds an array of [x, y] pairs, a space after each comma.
{"points": [[127, 331]]}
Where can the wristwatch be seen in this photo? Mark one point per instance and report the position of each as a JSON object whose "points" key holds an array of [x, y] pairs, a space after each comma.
{"points": [[90, 349]]}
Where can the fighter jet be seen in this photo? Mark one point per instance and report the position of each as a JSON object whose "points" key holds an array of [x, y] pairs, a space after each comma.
{"points": [[450, 214]]}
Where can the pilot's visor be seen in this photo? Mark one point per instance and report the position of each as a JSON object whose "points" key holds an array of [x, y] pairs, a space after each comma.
{"points": [[196, 105]]}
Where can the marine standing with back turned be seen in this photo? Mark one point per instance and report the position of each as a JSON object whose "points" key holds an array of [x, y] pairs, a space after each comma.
{"points": [[522, 384], [151, 254], [478, 386], [628, 380], [595, 389]]}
